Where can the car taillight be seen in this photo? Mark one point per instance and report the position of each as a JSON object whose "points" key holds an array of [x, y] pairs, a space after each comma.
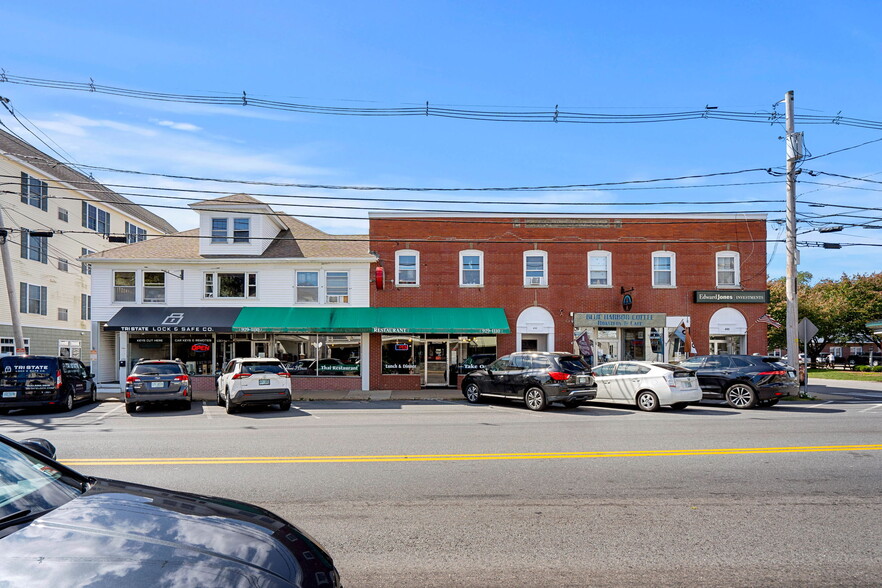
{"points": [[58, 380], [559, 376], [672, 381], [240, 376], [285, 374], [183, 378], [132, 380], [774, 373]]}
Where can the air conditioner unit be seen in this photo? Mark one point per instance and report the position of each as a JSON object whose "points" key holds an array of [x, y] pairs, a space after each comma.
{"points": [[335, 299], [535, 281], [259, 336]]}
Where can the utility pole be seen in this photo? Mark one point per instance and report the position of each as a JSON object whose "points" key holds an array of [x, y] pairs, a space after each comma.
{"points": [[17, 334], [794, 152]]}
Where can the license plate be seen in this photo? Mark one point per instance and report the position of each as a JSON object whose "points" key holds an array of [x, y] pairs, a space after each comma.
{"points": [[263, 382], [157, 384], [581, 379], [9, 394]]}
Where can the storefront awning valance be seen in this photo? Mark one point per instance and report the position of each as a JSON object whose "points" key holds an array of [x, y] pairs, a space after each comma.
{"points": [[372, 320], [174, 319]]}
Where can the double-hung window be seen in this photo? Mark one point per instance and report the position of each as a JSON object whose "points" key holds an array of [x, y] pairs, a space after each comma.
{"points": [[599, 269], [85, 307], [307, 287], [230, 285], [134, 233], [154, 287], [241, 230], [86, 268], [407, 268], [471, 268], [34, 192], [96, 219], [36, 248], [7, 346], [337, 287], [728, 269], [218, 230], [535, 268], [34, 299], [124, 286], [664, 269]]}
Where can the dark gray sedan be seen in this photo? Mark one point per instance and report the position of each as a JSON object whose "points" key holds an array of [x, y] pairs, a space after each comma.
{"points": [[60, 528]]}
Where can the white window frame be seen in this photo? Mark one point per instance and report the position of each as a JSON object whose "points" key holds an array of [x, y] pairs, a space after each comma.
{"points": [[600, 254], [241, 235], [416, 268], [338, 297], [134, 233], [531, 281], [85, 267], [673, 258], [317, 287], [216, 235], [86, 307], [7, 345], [155, 288], [462, 269], [837, 351], [213, 293], [96, 219], [134, 287], [736, 257]]}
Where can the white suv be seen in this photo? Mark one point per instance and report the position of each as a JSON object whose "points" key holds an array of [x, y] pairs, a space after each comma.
{"points": [[253, 381]]}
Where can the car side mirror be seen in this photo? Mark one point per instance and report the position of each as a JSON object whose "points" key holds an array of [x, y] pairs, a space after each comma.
{"points": [[40, 446], [89, 374]]}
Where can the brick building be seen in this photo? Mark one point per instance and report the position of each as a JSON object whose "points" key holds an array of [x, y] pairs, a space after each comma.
{"points": [[613, 287]]}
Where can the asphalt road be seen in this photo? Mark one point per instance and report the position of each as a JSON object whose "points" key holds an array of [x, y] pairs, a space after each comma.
{"points": [[448, 494]]}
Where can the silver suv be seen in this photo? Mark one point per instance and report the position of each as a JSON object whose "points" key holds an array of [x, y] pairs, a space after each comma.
{"points": [[254, 381], [154, 381]]}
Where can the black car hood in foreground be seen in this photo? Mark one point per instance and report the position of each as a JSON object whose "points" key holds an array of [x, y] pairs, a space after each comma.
{"points": [[127, 535]]}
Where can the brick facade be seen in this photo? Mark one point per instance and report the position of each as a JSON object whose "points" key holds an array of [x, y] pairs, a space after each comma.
{"points": [[630, 240]]}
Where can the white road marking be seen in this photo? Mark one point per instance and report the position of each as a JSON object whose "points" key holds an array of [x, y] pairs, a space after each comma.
{"points": [[205, 410], [875, 406], [822, 404], [312, 414], [108, 413]]}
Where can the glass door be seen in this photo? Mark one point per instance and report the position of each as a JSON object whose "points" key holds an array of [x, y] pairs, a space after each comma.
{"points": [[436, 364]]}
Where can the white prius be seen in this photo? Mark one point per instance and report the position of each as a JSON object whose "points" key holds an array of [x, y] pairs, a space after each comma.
{"points": [[648, 385]]}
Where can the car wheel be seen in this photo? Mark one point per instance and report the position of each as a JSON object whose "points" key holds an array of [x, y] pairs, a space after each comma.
{"points": [[94, 398], [572, 403], [741, 396], [679, 405], [534, 397], [647, 401], [130, 407], [187, 404], [285, 405], [68, 403], [220, 398], [230, 408], [473, 393]]}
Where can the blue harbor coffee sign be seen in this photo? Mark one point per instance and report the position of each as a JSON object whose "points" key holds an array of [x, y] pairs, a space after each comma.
{"points": [[618, 319]]}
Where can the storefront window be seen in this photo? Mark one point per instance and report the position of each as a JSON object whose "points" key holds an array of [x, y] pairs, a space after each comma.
{"points": [[195, 352], [149, 346], [399, 355], [320, 355]]}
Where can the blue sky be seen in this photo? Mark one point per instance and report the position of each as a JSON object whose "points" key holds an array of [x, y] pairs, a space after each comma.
{"points": [[634, 58]]}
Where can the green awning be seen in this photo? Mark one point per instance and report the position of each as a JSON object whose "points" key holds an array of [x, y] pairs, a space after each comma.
{"points": [[286, 319]]}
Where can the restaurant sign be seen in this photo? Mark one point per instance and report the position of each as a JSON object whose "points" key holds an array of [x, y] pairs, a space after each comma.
{"points": [[732, 296]]}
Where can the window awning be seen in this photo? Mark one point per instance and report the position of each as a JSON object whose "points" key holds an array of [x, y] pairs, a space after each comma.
{"points": [[174, 319], [372, 320]]}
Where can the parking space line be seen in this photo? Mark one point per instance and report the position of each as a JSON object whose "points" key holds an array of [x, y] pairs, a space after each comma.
{"points": [[307, 412], [108, 413], [205, 410], [875, 406], [822, 404]]}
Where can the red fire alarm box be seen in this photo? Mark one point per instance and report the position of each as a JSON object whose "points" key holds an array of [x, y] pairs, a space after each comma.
{"points": [[380, 277]]}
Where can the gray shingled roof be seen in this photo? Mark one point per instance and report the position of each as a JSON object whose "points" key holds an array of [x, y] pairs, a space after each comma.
{"points": [[293, 242], [11, 145]]}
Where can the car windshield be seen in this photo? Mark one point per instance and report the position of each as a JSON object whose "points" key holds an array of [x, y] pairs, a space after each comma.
{"points": [[29, 485], [262, 367], [573, 363], [158, 369], [21, 369]]}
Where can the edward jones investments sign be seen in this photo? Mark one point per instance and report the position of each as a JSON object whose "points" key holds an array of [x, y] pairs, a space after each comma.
{"points": [[732, 297], [618, 319]]}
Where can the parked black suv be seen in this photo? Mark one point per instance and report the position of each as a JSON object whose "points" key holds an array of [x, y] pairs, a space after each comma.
{"points": [[536, 377], [44, 380], [744, 381], [154, 381]]}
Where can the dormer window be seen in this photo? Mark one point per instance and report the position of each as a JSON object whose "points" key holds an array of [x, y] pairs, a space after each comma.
{"points": [[218, 230]]}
